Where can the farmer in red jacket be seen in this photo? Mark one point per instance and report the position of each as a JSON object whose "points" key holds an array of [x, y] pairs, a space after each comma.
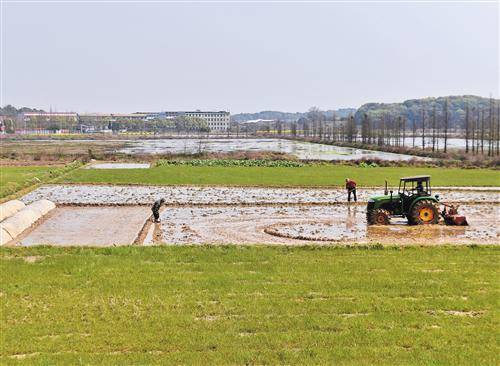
{"points": [[350, 185]]}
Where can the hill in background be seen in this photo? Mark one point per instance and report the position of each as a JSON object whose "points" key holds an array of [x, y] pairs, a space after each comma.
{"points": [[412, 109], [289, 116]]}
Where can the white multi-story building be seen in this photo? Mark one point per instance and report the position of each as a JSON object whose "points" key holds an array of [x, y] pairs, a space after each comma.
{"points": [[217, 121]]}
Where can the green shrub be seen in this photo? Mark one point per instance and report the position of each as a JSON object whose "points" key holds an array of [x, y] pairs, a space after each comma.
{"points": [[232, 162]]}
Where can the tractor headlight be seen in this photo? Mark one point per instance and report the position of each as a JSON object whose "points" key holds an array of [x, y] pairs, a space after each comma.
{"points": [[371, 200]]}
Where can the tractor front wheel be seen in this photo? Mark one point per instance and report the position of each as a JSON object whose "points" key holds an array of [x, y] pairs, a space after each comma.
{"points": [[378, 217], [424, 212]]}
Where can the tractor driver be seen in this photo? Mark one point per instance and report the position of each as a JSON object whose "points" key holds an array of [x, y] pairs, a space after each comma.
{"points": [[420, 187]]}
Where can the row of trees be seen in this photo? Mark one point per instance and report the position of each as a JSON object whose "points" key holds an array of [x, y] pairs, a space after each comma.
{"points": [[180, 124], [430, 132], [54, 123]]}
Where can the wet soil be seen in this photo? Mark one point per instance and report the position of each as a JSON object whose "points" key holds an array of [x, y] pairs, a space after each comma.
{"points": [[191, 195], [88, 226], [116, 215], [299, 224]]}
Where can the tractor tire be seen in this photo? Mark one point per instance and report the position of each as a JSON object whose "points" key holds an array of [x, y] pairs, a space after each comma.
{"points": [[425, 212], [378, 217]]}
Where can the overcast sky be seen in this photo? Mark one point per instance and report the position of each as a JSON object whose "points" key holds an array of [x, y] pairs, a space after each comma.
{"points": [[244, 57]]}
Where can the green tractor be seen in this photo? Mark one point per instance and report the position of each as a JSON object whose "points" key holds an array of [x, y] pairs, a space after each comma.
{"points": [[414, 201]]}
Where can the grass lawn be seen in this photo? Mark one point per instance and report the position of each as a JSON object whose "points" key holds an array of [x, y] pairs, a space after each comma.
{"points": [[315, 175], [249, 305]]}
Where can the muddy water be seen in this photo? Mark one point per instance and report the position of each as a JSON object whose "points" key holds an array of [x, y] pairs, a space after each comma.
{"points": [[232, 215], [84, 226], [186, 195], [298, 224], [301, 149]]}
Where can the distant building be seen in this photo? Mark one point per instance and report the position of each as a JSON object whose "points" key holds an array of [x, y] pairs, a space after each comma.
{"points": [[217, 121], [111, 117], [48, 116], [91, 122]]}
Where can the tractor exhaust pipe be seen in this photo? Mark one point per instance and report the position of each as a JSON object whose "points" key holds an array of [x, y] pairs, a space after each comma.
{"points": [[386, 192]]}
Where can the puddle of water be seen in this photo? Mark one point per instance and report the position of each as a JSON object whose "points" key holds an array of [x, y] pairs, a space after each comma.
{"points": [[302, 150]]}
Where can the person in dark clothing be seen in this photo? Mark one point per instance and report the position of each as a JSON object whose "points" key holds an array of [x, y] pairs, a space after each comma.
{"points": [[420, 188], [156, 209], [350, 185]]}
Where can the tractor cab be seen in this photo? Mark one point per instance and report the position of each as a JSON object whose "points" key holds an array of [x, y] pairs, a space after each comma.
{"points": [[412, 188], [418, 185]]}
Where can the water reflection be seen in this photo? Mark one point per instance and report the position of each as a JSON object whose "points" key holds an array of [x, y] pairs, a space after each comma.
{"points": [[302, 150]]}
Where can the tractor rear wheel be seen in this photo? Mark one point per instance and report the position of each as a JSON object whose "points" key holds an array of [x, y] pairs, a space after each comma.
{"points": [[424, 212], [378, 216]]}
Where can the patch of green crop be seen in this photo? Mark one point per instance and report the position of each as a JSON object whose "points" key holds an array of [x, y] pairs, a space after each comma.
{"points": [[309, 175], [249, 305], [232, 162], [15, 178]]}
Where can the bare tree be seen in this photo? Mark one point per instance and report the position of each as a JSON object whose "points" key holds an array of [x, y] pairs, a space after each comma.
{"points": [[477, 129], [498, 128], [364, 129], [482, 131], [414, 125], [490, 128], [351, 129], [473, 131], [403, 122], [445, 125], [434, 127], [423, 128], [467, 128]]}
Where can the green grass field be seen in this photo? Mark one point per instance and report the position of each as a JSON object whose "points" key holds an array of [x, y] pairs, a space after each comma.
{"points": [[15, 178], [314, 175], [250, 305]]}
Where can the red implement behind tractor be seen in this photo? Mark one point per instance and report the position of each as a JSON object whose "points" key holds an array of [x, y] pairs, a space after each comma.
{"points": [[451, 216]]}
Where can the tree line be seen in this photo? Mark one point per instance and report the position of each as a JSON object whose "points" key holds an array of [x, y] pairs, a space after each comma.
{"points": [[430, 132]]}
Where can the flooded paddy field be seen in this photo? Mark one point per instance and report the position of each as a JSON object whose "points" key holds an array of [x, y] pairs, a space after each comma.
{"points": [[72, 194], [280, 225], [300, 149], [88, 226], [189, 146], [120, 215], [299, 224]]}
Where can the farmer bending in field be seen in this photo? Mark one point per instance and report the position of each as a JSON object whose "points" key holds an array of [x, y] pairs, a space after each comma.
{"points": [[156, 209], [350, 185]]}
